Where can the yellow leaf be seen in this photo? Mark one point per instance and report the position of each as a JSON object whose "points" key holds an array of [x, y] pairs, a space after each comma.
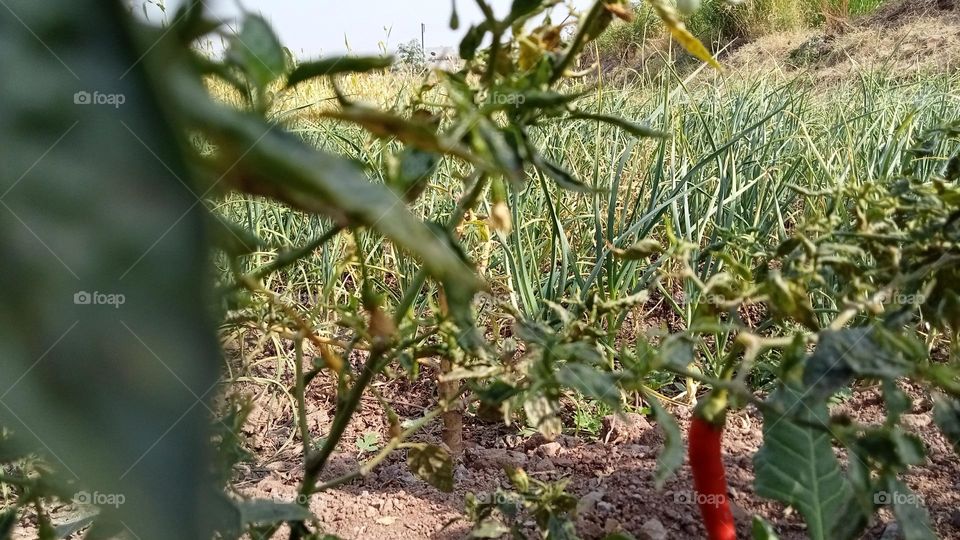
{"points": [[679, 30], [620, 9]]}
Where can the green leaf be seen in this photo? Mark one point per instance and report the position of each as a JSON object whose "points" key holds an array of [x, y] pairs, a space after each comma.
{"points": [[560, 528], [896, 400], [892, 447], [274, 163], [763, 530], [518, 477], [637, 130], [563, 178], [66, 529], [191, 24], [268, 512], [367, 442], [257, 51], [471, 41], [8, 520], [232, 238], [671, 457], [432, 464], [842, 354], [504, 154], [909, 511], [946, 413], [797, 466], [45, 529], [599, 385], [641, 250], [336, 65], [489, 528], [454, 16], [115, 212], [677, 351], [544, 415], [790, 299], [385, 125], [412, 172], [522, 8]]}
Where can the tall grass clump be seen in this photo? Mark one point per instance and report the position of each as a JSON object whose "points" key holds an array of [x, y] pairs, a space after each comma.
{"points": [[738, 156]]}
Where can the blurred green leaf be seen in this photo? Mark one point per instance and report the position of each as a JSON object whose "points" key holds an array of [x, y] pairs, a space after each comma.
{"points": [[762, 530], [412, 172], [563, 178], [432, 464], [637, 130], [336, 65], [590, 382], [671, 456], [271, 162], [946, 413], [139, 372], [8, 520], [543, 414], [640, 250], [64, 530], [677, 351], [843, 354], [257, 51], [489, 528], [471, 40], [911, 515]]}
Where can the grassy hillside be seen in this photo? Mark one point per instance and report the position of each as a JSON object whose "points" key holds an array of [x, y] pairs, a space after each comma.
{"points": [[719, 21]]}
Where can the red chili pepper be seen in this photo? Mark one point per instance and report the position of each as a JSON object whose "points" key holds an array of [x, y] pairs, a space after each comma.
{"points": [[709, 479]]}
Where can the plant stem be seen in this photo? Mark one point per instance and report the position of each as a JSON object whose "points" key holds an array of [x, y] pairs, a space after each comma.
{"points": [[578, 41], [315, 462], [394, 443], [300, 394]]}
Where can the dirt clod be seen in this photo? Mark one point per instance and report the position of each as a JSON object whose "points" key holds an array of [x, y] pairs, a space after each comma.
{"points": [[624, 428], [652, 529], [550, 450]]}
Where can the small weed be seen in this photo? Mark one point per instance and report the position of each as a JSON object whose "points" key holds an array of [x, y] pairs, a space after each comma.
{"points": [[367, 443]]}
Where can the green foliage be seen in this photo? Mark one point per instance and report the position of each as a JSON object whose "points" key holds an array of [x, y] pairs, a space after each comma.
{"points": [[120, 387], [797, 466], [368, 442], [433, 464], [503, 512], [411, 56], [795, 247]]}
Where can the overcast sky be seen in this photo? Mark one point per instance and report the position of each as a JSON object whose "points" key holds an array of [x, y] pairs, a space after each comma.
{"points": [[313, 27]]}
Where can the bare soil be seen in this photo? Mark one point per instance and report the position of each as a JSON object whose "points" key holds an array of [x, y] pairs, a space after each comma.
{"points": [[901, 40], [611, 474]]}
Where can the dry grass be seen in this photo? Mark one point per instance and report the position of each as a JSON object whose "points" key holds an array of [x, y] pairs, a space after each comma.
{"points": [[922, 45]]}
